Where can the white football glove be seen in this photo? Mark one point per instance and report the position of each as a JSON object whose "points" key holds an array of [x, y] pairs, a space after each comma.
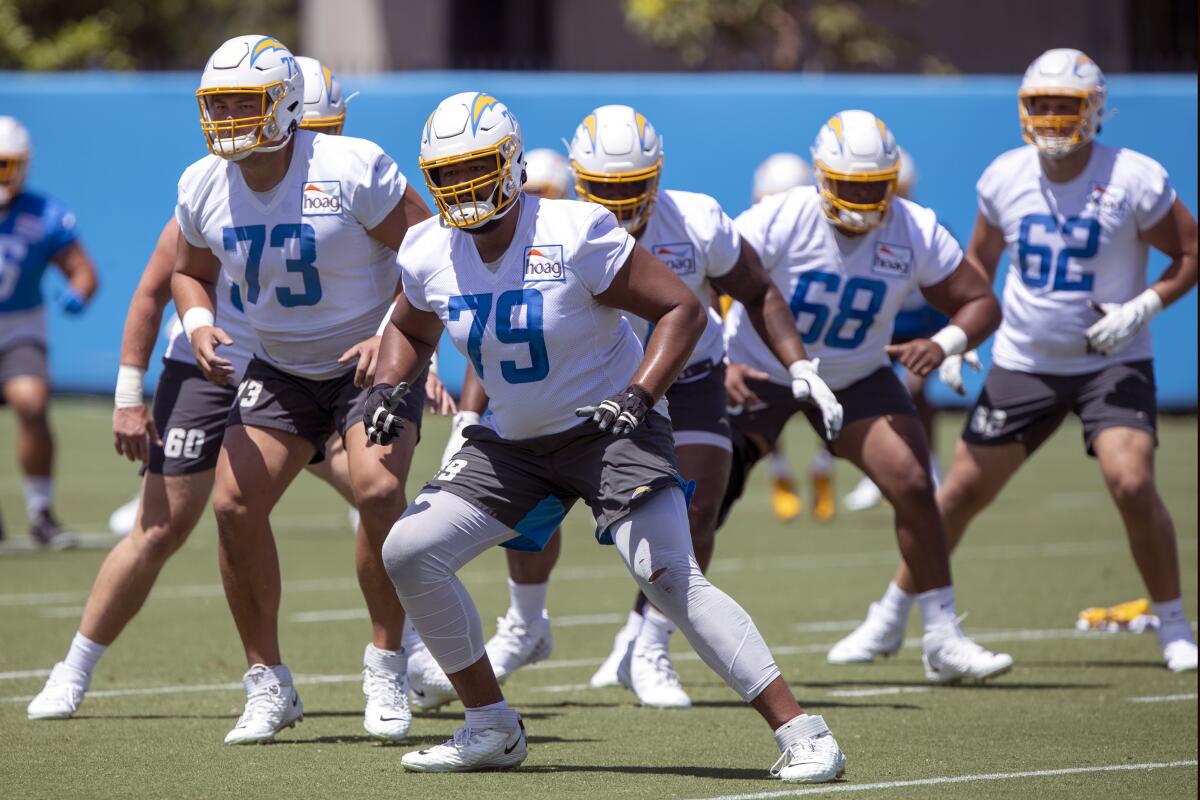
{"points": [[808, 386], [461, 420], [951, 370], [1121, 322]]}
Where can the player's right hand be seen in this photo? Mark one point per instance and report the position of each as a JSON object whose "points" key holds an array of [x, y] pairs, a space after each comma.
{"points": [[737, 394], [205, 341], [808, 386], [382, 423], [133, 431]]}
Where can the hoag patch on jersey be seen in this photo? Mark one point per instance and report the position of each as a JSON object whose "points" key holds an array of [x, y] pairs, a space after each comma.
{"points": [[893, 260], [679, 256], [544, 262], [321, 198]]}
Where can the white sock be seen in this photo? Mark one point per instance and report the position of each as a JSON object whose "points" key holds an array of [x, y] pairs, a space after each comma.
{"points": [[84, 654], [393, 661], [496, 715], [938, 608], [527, 601], [656, 629], [780, 467], [39, 494], [822, 463], [804, 726], [896, 603], [1172, 622], [633, 625]]}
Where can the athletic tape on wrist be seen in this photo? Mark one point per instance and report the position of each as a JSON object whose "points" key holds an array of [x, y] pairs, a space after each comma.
{"points": [[130, 390], [197, 317], [952, 339]]}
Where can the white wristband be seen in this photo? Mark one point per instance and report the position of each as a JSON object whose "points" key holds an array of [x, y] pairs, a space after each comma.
{"points": [[801, 369], [387, 318], [130, 386], [1150, 302], [197, 317], [952, 339]]}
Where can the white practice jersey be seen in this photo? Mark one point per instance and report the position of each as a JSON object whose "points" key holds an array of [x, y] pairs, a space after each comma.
{"points": [[1069, 243], [692, 235], [529, 322], [844, 291], [230, 319], [312, 282]]}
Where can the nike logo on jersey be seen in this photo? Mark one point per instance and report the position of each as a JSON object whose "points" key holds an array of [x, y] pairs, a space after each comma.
{"points": [[544, 262], [892, 260]]}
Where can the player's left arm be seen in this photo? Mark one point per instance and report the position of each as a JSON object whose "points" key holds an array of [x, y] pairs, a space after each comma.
{"points": [[409, 342], [647, 288], [1119, 323], [966, 297], [82, 281], [408, 212]]}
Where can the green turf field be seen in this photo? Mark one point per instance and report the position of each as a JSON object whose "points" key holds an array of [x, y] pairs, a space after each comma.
{"points": [[1097, 711]]}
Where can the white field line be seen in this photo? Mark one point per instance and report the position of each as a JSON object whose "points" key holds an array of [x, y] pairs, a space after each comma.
{"points": [[343, 614], [1164, 698], [827, 625], [826, 561], [846, 788], [880, 692], [24, 673]]}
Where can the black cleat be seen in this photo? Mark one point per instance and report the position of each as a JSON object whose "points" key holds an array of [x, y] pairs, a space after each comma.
{"points": [[47, 532]]}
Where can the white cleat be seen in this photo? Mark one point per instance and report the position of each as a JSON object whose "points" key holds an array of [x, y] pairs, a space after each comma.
{"points": [[516, 644], [653, 679], [63, 693], [428, 686], [950, 657], [471, 750], [1179, 655], [387, 715], [813, 759], [617, 662], [865, 495], [121, 521], [270, 707], [878, 635]]}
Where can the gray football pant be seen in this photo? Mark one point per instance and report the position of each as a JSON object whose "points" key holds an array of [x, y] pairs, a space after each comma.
{"points": [[440, 533]]}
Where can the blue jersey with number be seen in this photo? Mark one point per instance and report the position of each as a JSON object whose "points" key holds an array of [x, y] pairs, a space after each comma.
{"points": [[310, 279], [844, 291], [530, 323], [33, 230], [1068, 244]]}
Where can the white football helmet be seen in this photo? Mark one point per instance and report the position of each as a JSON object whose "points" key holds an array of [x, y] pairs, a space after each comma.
{"points": [[467, 127], [547, 174], [906, 182], [1062, 73], [324, 103], [617, 145], [779, 173], [251, 65], [855, 147], [15, 149]]}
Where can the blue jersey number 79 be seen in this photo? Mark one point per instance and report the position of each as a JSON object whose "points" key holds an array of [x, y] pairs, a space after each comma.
{"points": [[507, 306]]}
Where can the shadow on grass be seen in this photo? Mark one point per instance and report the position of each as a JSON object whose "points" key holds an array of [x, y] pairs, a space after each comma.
{"points": [[1152, 664], [411, 741], [1000, 684], [716, 773], [809, 703]]}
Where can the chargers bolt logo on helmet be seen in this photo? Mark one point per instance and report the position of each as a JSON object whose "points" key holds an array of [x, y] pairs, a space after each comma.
{"points": [[260, 67], [15, 150], [855, 147], [617, 155], [324, 103], [473, 127], [1062, 73]]}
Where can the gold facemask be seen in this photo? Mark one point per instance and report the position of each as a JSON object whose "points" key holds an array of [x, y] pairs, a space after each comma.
{"points": [[232, 137], [1051, 132], [330, 125], [870, 214], [469, 204], [632, 213]]}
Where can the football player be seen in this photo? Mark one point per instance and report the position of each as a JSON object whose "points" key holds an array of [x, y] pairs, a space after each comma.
{"points": [[191, 413], [35, 231], [532, 292], [1077, 218], [916, 320], [847, 253], [305, 226]]}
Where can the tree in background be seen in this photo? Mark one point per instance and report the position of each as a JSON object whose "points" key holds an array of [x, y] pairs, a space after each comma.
{"points": [[810, 35], [132, 34]]}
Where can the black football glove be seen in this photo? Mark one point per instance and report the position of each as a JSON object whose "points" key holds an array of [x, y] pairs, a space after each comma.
{"points": [[622, 412], [379, 412]]}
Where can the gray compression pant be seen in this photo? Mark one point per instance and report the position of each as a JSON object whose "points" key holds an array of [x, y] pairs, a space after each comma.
{"points": [[440, 533]]}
